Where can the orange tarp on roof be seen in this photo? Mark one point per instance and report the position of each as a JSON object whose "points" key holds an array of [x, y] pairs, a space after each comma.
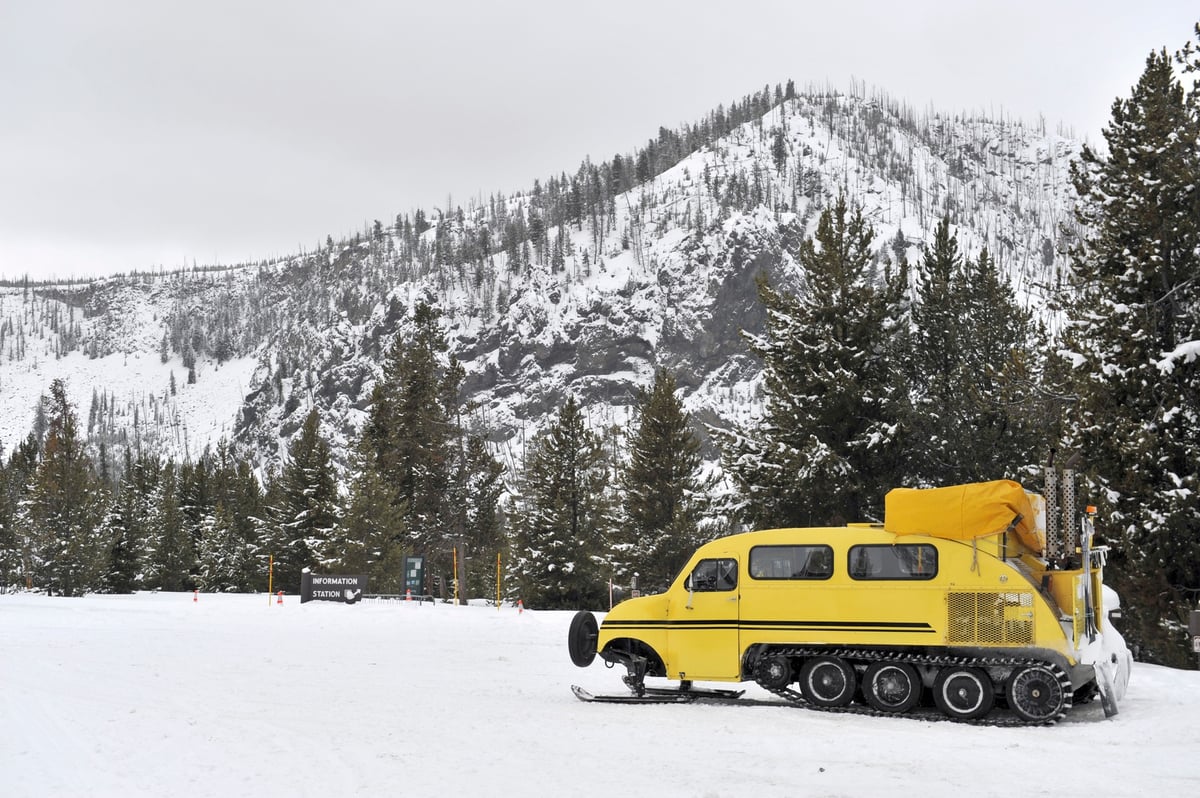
{"points": [[963, 512]]}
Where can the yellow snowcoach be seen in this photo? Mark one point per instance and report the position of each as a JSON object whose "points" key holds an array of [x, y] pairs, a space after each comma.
{"points": [[957, 600]]}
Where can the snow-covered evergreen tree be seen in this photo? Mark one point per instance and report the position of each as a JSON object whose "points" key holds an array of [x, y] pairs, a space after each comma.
{"points": [[122, 528], [222, 554], [661, 487], [445, 485], [483, 486], [829, 443], [305, 514], [241, 495], [370, 538], [1134, 339], [410, 434], [64, 505], [10, 560], [19, 552], [172, 555], [977, 413], [562, 524]]}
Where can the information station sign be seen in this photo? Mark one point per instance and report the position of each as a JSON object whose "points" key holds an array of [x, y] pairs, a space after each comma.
{"points": [[332, 587]]}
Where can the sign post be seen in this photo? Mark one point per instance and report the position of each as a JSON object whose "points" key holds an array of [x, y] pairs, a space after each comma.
{"points": [[1194, 629], [414, 575], [455, 553]]}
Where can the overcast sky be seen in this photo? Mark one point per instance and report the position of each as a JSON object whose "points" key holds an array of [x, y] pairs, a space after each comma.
{"points": [[143, 134]]}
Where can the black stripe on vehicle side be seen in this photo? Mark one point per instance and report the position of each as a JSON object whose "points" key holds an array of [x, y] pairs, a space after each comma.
{"points": [[670, 625], [834, 627], [841, 626], [898, 626]]}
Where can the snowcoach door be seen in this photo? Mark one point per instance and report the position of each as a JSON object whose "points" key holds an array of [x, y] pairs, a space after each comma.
{"points": [[702, 633]]}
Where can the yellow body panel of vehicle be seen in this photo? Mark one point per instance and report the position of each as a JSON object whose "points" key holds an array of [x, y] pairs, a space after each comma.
{"points": [[860, 587]]}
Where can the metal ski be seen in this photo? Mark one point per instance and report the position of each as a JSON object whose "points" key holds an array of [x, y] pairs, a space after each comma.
{"points": [[585, 695], [695, 693], [658, 695]]}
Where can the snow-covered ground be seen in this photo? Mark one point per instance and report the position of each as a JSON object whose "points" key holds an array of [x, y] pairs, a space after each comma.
{"points": [[158, 695]]}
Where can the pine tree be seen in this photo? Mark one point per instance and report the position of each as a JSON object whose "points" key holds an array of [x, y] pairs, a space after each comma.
{"points": [[661, 487], [1132, 337], [127, 526], [221, 552], [563, 521], [409, 432], [228, 499], [64, 505], [938, 330], [196, 501], [370, 538], [18, 554], [445, 484], [779, 150], [307, 512], [244, 499], [973, 368], [121, 528], [484, 483], [172, 557], [9, 557], [934, 369], [1004, 365], [829, 445]]}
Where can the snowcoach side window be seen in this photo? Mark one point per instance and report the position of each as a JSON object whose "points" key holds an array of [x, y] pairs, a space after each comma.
{"points": [[711, 576], [901, 561], [791, 562]]}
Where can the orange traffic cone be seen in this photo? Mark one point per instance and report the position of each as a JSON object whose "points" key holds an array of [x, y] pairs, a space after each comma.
{"points": [[280, 601], [520, 606], [408, 594]]}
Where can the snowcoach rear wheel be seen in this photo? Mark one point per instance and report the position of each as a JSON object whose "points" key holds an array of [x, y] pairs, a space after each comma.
{"points": [[773, 672], [581, 638], [963, 693], [1035, 693], [827, 682], [892, 686]]}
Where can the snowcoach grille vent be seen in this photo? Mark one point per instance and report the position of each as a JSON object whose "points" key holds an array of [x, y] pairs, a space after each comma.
{"points": [[989, 618]]}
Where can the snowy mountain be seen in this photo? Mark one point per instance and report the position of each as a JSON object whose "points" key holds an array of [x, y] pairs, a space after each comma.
{"points": [[585, 284]]}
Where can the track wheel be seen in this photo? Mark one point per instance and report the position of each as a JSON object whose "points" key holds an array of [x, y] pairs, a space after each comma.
{"points": [[827, 682], [1035, 693], [773, 672], [581, 638], [892, 686], [963, 693]]}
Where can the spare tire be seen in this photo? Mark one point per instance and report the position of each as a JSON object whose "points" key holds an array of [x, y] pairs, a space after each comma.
{"points": [[581, 639]]}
